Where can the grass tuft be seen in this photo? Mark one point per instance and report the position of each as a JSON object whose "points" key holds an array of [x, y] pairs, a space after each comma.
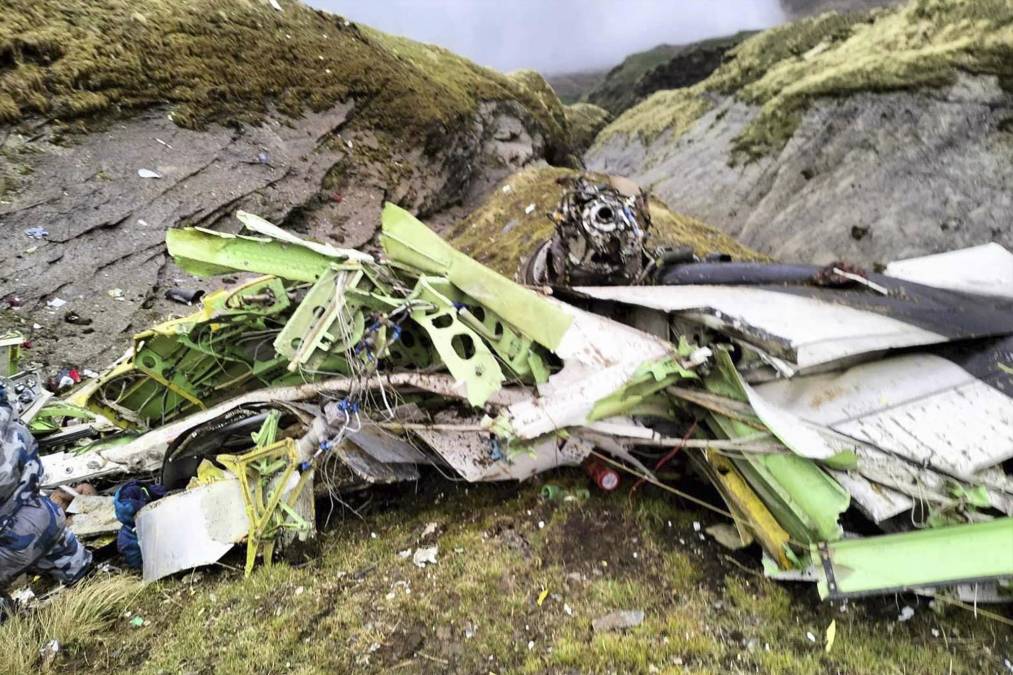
{"points": [[73, 618]]}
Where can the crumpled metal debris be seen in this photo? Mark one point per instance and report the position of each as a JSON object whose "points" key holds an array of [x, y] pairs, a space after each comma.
{"points": [[800, 392]]}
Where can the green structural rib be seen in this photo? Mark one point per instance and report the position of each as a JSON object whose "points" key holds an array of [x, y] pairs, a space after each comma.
{"points": [[409, 242]]}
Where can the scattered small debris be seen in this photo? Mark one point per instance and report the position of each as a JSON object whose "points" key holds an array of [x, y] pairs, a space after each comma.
{"points": [[115, 293], [809, 636], [137, 622], [506, 189], [906, 613], [541, 596], [275, 5], [831, 635], [618, 621], [48, 653], [530, 209], [76, 319], [37, 232], [425, 556], [185, 296], [148, 173], [160, 141]]}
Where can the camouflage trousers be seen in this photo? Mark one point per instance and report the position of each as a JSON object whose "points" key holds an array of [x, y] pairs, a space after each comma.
{"points": [[37, 540]]}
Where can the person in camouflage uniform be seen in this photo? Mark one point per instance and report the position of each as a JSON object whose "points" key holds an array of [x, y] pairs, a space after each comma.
{"points": [[33, 532]]}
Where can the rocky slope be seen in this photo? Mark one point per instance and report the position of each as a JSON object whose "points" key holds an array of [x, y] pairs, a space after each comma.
{"points": [[663, 67], [301, 116], [801, 8], [864, 137]]}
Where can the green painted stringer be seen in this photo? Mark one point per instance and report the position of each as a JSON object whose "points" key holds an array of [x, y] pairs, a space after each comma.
{"points": [[932, 557]]}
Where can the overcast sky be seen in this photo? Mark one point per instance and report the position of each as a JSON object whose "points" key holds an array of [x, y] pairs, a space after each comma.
{"points": [[554, 36]]}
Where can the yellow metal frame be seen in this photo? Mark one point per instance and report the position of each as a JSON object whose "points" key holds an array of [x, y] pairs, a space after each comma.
{"points": [[268, 468]]}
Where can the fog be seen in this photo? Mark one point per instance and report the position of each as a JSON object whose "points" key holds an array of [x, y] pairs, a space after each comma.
{"points": [[556, 36]]}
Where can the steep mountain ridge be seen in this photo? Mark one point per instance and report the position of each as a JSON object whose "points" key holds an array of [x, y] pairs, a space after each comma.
{"points": [[859, 136]]}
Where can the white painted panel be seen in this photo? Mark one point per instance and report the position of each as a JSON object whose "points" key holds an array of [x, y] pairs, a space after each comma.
{"points": [[817, 332], [986, 270], [919, 406]]}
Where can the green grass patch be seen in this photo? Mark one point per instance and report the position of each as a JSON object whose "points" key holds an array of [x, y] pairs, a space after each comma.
{"points": [[357, 605]]}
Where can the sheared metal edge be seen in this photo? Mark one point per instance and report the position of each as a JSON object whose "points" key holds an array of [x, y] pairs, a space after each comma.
{"points": [[805, 500], [207, 253], [472, 455], [599, 358], [255, 223], [877, 502], [985, 269], [960, 554], [803, 330], [408, 241], [146, 452], [192, 528], [918, 406], [198, 526]]}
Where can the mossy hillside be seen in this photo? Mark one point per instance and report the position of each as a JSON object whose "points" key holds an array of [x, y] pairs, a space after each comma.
{"points": [[232, 61], [502, 232], [584, 121], [613, 90], [925, 43]]}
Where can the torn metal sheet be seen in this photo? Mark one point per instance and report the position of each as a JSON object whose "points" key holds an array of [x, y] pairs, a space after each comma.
{"points": [[817, 326], [478, 457], [147, 452], [370, 470], [877, 502], [985, 270], [600, 356], [255, 223], [923, 407], [192, 528], [803, 498], [959, 554], [92, 515], [805, 331], [385, 447]]}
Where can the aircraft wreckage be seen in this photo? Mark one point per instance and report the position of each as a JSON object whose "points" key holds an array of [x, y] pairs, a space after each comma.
{"points": [[812, 398]]}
